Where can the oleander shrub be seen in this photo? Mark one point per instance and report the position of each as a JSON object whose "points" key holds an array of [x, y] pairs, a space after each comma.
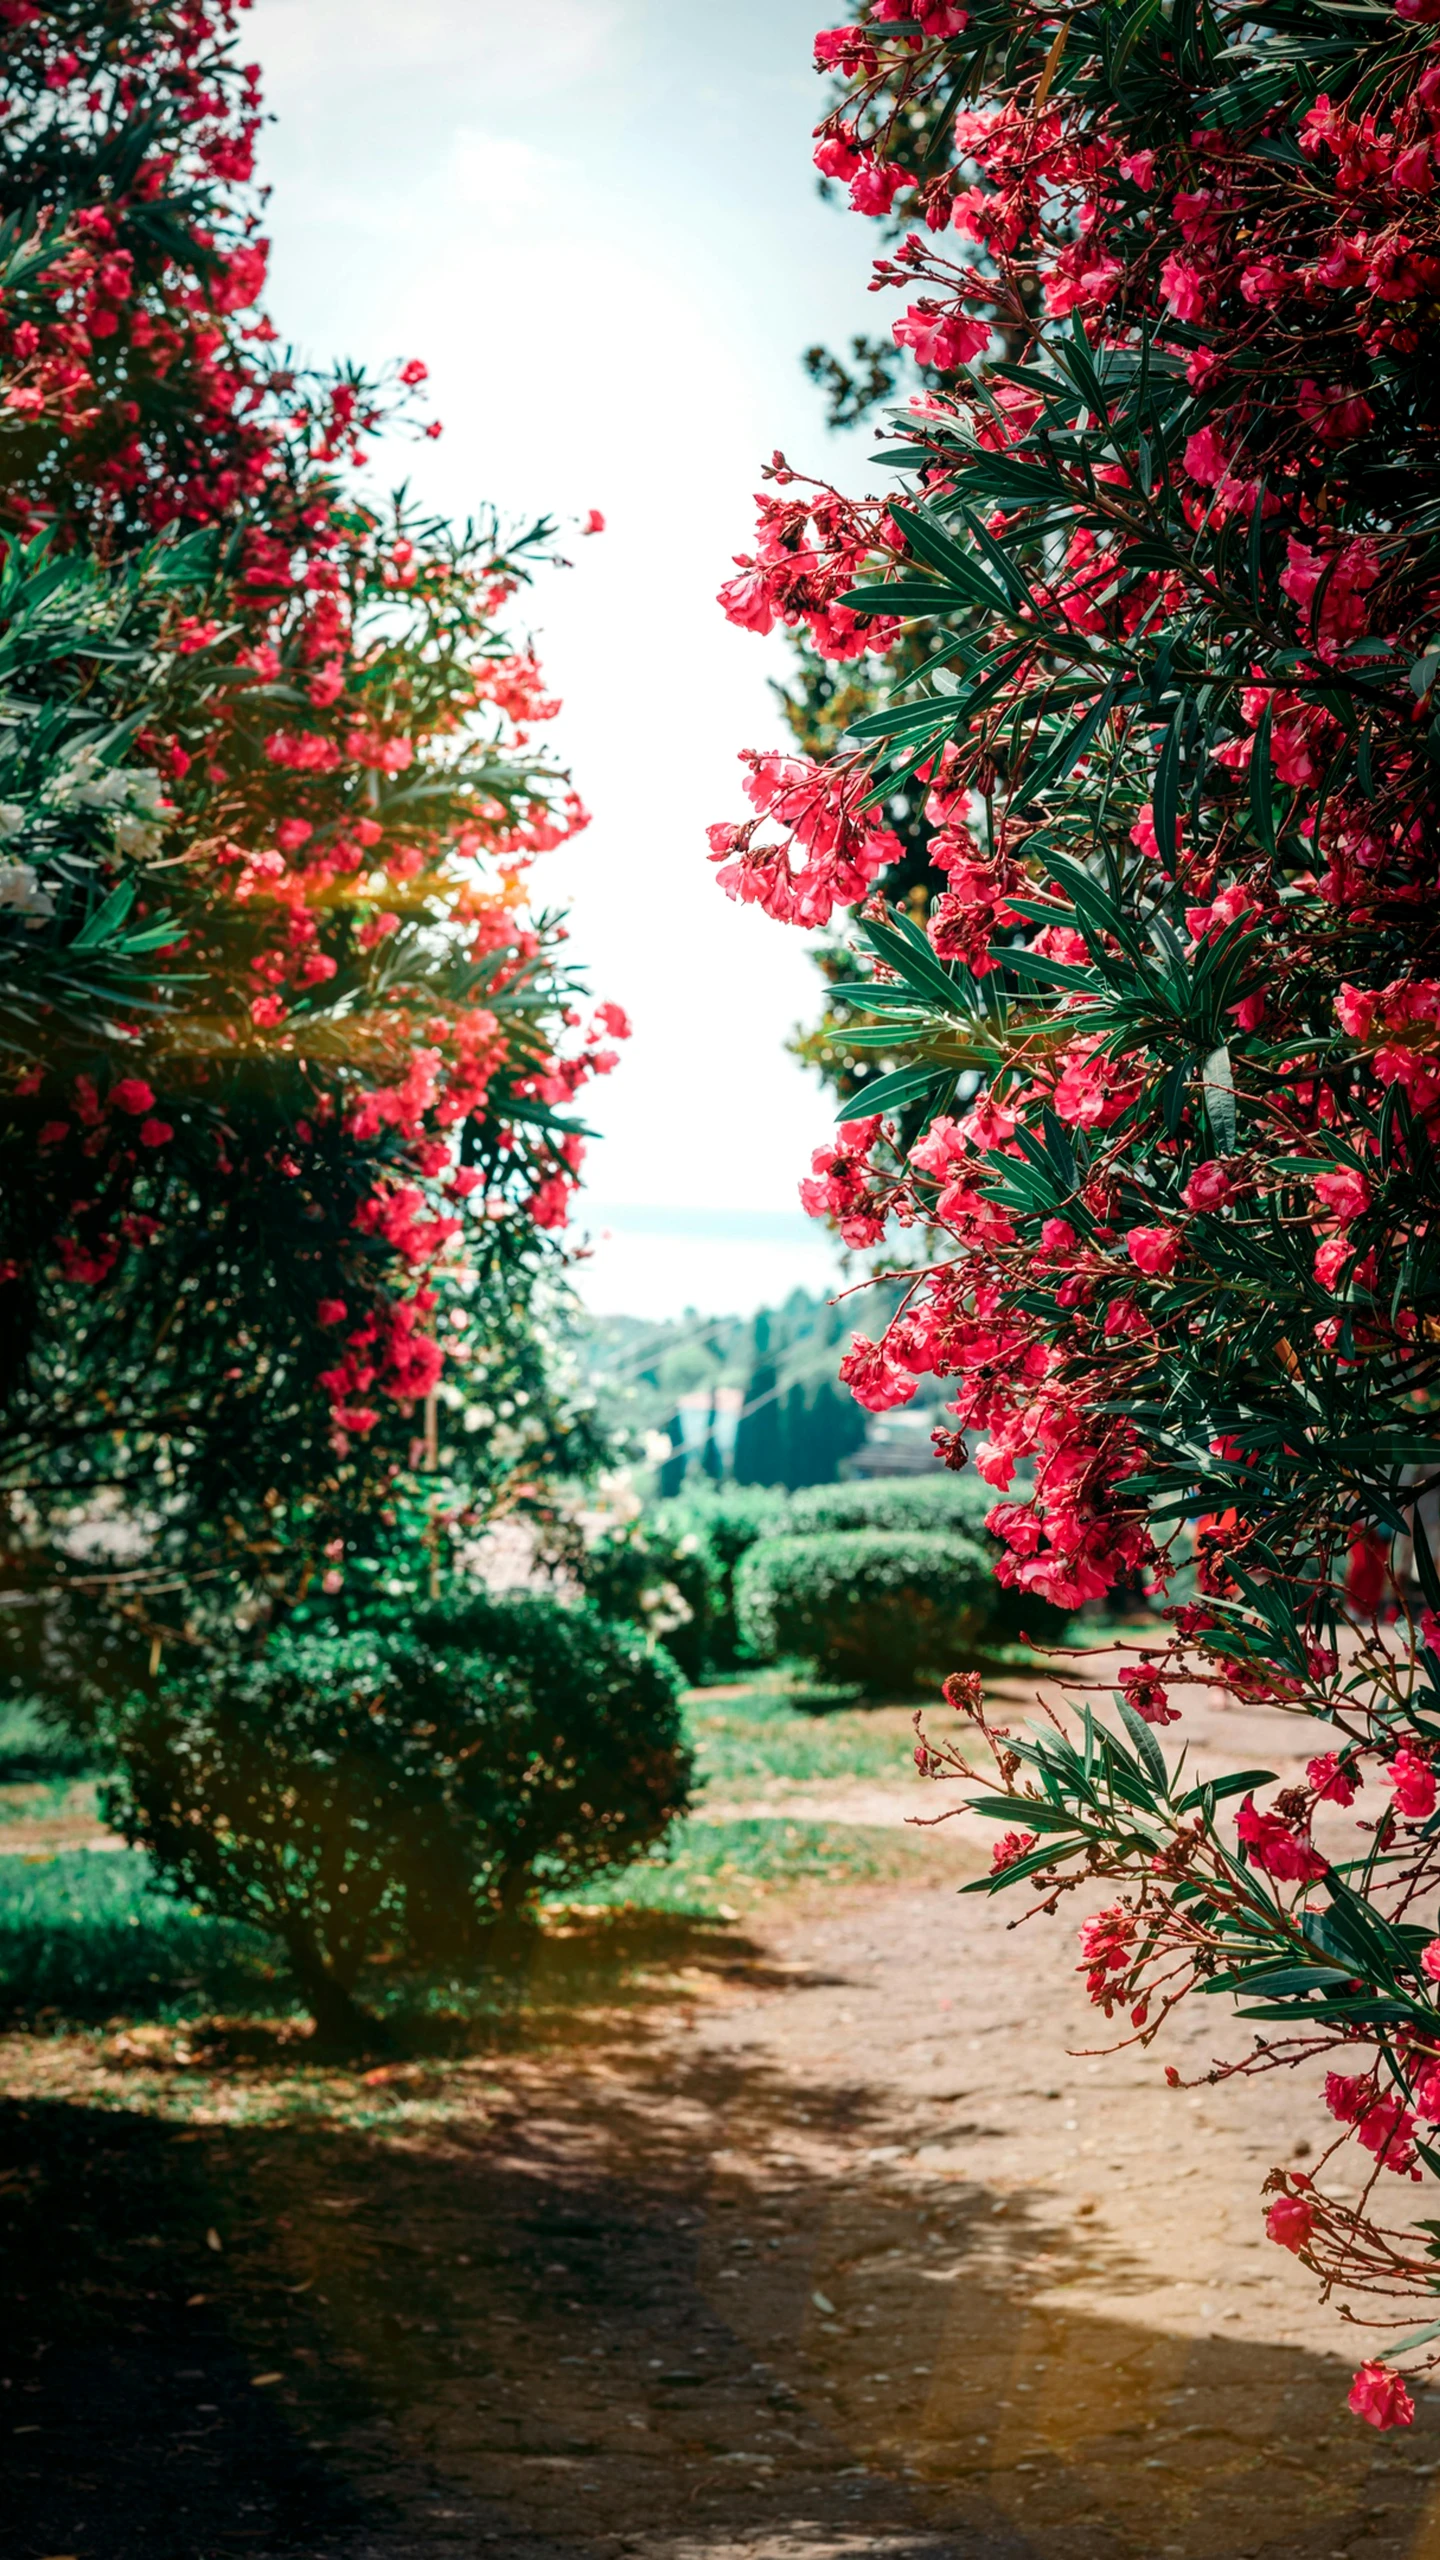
{"points": [[276, 1005], [882, 1608], [1152, 594], [348, 1794]]}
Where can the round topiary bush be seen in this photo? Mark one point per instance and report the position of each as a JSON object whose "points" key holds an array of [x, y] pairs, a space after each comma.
{"points": [[880, 1608], [341, 1791], [586, 1764], [943, 1501]]}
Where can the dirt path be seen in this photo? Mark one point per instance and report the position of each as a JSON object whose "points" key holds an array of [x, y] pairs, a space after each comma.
{"points": [[806, 2244]]}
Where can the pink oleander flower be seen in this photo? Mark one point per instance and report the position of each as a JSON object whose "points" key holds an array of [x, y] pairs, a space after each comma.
{"points": [[1345, 1195], [1413, 1781], [872, 1379], [132, 1094], [1380, 2397], [1290, 2221], [1275, 1848], [1011, 1846], [1153, 1250], [1209, 1186], [1332, 1780], [945, 339], [1145, 1691], [1331, 1259]]}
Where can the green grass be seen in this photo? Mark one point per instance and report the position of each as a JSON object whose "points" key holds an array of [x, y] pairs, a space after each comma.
{"points": [[83, 1936], [747, 1740], [86, 1937]]}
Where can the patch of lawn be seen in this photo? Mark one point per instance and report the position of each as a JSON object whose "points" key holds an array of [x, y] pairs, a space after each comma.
{"points": [[761, 1735], [85, 1936]]}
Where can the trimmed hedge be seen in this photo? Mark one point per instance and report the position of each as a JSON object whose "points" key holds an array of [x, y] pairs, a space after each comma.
{"points": [[344, 1791], [896, 1504], [868, 1605], [673, 1570]]}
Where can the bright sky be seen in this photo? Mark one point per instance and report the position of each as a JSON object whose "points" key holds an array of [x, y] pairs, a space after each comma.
{"points": [[597, 222]]}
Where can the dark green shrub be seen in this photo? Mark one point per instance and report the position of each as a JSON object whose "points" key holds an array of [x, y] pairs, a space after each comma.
{"points": [[344, 1791], [726, 1524], [863, 1604], [586, 1764], [672, 1570], [37, 1742], [656, 1578]]}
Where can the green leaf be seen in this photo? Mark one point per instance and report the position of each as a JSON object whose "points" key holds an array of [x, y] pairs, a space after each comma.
{"points": [[1144, 1741], [1028, 1812], [107, 918], [1034, 1863], [1071, 747], [1262, 788], [932, 544], [901, 596], [1239, 1783], [889, 1093], [1217, 1083], [913, 958], [1167, 787]]}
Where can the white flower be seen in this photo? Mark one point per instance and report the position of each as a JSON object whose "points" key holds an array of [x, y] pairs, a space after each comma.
{"points": [[20, 888], [136, 836]]}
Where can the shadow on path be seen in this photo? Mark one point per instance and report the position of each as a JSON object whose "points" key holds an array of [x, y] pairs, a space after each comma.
{"points": [[628, 2296]]}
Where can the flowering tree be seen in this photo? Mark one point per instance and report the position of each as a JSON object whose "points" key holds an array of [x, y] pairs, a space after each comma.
{"points": [[1161, 554], [289, 1056]]}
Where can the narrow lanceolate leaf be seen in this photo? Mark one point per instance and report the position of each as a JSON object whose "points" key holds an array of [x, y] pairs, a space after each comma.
{"points": [[891, 1093], [1217, 1083], [932, 544], [105, 923], [1262, 784], [1145, 1743], [901, 596], [911, 957], [1167, 786]]}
